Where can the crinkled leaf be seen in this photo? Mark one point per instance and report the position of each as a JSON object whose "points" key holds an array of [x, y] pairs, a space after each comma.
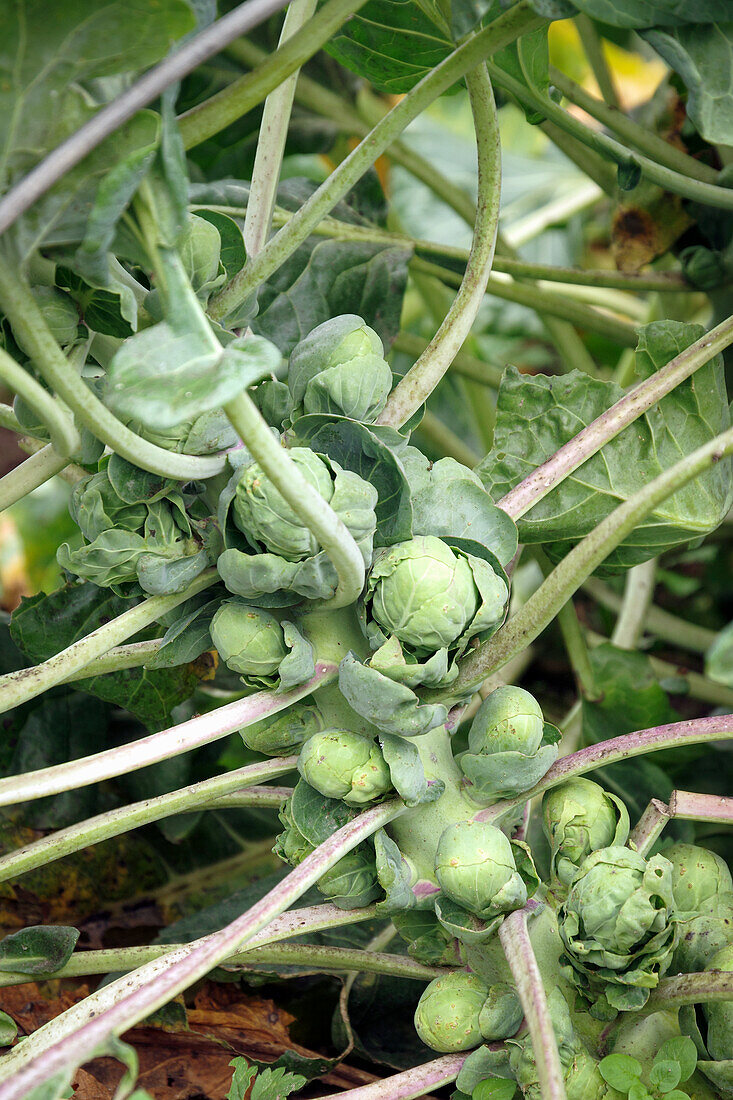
{"points": [[536, 415], [316, 816], [703, 56], [41, 949], [407, 772], [464, 925], [389, 706], [483, 1063], [393, 875], [299, 665], [232, 251], [108, 306]]}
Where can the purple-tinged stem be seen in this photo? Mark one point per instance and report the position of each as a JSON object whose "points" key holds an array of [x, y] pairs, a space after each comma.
{"points": [[413, 1082], [690, 732], [608, 425], [649, 828], [66, 1041], [688, 989], [189, 735], [701, 807], [515, 941]]}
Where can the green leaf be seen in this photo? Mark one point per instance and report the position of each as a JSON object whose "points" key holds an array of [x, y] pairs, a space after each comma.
{"points": [[620, 1071], [681, 1050], [407, 772], [392, 43], [275, 1084], [703, 56], [316, 816], [665, 1074], [494, 1088], [8, 1030], [639, 1091], [188, 636], [41, 949], [393, 875], [233, 255], [538, 414], [391, 707], [649, 13], [243, 1076], [110, 307], [43, 625], [677, 1094]]}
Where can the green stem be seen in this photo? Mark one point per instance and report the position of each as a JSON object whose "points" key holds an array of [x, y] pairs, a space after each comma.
{"points": [[638, 594], [469, 366], [125, 818], [658, 622], [215, 114], [9, 420], [649, 827], [689, 989], [547, 302], [640, 137], [307, 503], [422, 378], [445, 440], [28, 475], [333, 960], [583, 559], [64, 436], [34, 335], [116, 1007], [706, 193], [27, 683], [608, 425], [121, 657], [505, 29], [593, 49], [271, 140], [572, 636]]}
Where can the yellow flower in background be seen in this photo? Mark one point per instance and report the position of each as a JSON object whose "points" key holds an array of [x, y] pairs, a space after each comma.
{"points": [[635, 77]]}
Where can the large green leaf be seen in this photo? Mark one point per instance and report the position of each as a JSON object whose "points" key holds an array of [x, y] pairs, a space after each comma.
{"points": [[651, 13], [43, 625], [538, 414], [703, 56], [393, 43]]}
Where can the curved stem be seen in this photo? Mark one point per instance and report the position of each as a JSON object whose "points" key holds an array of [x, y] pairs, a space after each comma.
{"points": [[695, 731], [640, 137], [689, 989], [412, 1082], [638, 594], [706, 193], [422, 378], [505, 29], [176, 65], [670, 628], [309, 506], [608, 425], [593, 49], [584, 558], [125, 818], [543, 301], [197, 731], [332, 960], [514, 937], [123, 1003], [32, 332], [572, 636], [64, 436], [28, 475], [18, 687]]}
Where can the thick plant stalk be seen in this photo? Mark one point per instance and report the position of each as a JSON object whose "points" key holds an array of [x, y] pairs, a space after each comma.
{"points": [[649, 827], [175, 66], [426, 373], [608, 425], [689, 989], [18, 687], [584, 558], [93, 830], [412, 1083], [309, 506], [638, 594], [184, 737], [695, 731], [691, 806], [271, 141], [517, 947], [32, 332], [64, 436], [520, 19], [67, 1040], [28, 475]]}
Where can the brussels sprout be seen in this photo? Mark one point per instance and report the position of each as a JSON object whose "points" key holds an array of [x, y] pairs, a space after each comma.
{"points": [[698, 876], [579, 817], [249, 640], [280, 735], [448, 1012], [340, 368], [199, 435], [508, 719], [719, 1014], [291, 846], [352, 882], [475, 867], [341, 764], [617, 928], [501, 1014], [264, 516], [702, 934], [59, 313]]}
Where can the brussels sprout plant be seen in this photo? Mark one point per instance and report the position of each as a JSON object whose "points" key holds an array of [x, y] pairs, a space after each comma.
{"points": [[377, 566]]}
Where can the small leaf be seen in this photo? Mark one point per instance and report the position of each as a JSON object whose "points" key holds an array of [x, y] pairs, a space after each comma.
{"points": [[639, 1091], [38, 949], [665, 1074], [681, 1050], [620, 1071], [494, 1088], [242, 1079], [8, 1030]]}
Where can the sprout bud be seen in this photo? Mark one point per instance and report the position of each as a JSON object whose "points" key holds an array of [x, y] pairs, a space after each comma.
{"points": [[344, 765], [249, 640], [448, 1013], [475, 867], [509, 719]]}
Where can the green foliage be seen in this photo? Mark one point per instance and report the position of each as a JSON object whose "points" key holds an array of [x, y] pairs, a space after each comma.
{"points": [[674, 1063], [37, 950], [266, 1084]]}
